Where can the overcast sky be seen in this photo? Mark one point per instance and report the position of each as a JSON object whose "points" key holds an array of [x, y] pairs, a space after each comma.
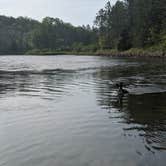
{"points": [[77, 12]]}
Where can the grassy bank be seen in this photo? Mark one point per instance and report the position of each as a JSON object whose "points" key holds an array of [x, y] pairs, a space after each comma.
{"points": [[134, 52], [52, 52]]}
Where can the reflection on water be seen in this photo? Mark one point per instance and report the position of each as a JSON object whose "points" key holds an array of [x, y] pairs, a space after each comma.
{"points": [[148, 110], [144, 108], [64, 110]]}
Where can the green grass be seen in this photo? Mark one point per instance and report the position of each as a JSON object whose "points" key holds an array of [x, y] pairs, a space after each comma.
{"points": [[154, 51]]}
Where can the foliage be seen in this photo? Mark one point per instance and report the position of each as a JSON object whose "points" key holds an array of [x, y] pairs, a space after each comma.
{"points": [[19, 35], [14, 34], [138, 24], [132, 23]]}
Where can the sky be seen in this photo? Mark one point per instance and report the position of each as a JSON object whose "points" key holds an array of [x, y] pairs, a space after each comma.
{"points": [[77, 12]]}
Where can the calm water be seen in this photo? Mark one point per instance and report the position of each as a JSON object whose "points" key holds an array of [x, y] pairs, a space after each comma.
{"points": [[64, 111]]}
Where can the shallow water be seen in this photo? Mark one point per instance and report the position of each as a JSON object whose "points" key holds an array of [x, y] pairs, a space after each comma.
{"points": [[65, 111]]}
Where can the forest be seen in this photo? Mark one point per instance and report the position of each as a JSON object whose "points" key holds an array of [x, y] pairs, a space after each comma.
{"points": [[19, 35], [126, 25], [132, 24]]}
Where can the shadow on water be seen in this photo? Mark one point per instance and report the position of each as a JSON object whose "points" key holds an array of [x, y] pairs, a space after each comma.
{"points": [[149, 111], [143, 110], [79, 127]]}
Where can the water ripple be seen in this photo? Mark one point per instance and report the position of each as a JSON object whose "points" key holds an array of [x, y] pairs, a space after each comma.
{"points": [[65, 110]]}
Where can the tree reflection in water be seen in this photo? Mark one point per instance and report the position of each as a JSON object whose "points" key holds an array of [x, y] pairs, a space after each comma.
{"points": [[143, 110], [143, 113]]}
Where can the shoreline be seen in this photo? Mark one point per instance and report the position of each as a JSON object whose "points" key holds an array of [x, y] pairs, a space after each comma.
{"points": [[133, 53]]}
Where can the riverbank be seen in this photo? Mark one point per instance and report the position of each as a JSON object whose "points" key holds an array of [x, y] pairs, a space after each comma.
{"points": [[134, 52]]}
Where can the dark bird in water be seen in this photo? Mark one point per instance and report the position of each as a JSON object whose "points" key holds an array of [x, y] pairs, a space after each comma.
{"points": [[121, 90]]}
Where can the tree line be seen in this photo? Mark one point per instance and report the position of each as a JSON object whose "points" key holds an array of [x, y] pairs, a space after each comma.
{"points": [[132, 24], [19, 35], [124, 25]]}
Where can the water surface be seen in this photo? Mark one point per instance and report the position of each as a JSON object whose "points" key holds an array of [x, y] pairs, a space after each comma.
{"points": [[65, 111]]}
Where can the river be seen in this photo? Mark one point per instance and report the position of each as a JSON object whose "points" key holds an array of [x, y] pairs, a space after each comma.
{"points": [[65, 111]]}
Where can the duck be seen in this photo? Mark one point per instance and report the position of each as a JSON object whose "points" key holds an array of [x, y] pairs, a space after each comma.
{"points": [[121, 90]]}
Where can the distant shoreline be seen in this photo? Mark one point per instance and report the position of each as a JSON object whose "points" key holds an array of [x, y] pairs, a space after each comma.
{"points": [[133, 53], [113, 53]]}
